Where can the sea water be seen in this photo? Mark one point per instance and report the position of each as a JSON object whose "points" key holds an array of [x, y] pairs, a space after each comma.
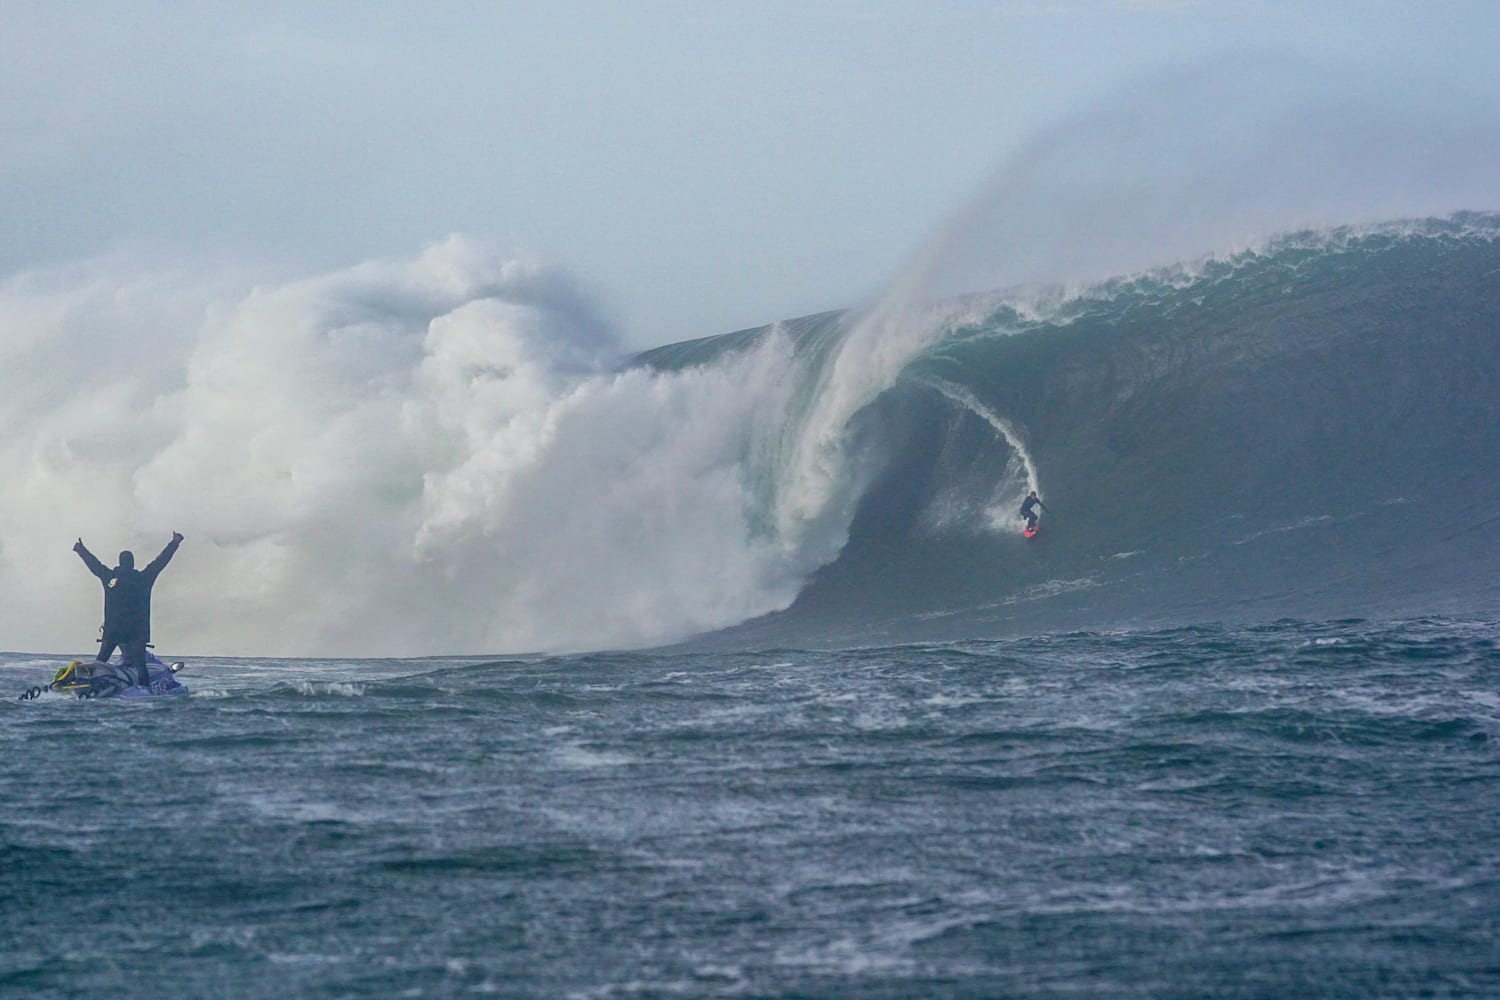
{"points": [[1290, 809]]}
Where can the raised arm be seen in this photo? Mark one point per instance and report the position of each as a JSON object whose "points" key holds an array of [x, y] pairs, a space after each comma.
{"points": [[160, 562], [95, 566]]}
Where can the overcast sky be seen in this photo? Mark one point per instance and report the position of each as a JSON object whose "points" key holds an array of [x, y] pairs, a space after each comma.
{"points": [[700, 167]]}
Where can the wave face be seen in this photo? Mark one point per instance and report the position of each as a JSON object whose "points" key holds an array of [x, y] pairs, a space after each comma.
{"points": [[1308, 430]]}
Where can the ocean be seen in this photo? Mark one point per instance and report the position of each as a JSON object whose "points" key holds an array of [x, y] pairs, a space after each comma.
{"points": [[811, 718], [1291, 809]]}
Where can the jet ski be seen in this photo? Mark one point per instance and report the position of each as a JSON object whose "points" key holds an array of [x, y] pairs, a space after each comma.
{"points": [[92, 679]]}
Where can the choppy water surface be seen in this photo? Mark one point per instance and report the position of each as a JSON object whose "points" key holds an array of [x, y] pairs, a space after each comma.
{"points": [[1290, 810]]}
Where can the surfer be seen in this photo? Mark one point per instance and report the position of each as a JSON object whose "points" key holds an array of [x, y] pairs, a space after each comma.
{"points": [[1028, 511], [127, 604]]}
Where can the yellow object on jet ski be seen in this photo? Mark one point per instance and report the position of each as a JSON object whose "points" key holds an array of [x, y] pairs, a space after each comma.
{"points": [[70, 678]]}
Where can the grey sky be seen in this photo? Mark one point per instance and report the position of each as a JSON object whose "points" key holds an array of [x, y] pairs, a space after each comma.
{"points": [[700, 166]]}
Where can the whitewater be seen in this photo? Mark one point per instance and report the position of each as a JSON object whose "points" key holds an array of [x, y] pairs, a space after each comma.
{"points": [[448, 433]]}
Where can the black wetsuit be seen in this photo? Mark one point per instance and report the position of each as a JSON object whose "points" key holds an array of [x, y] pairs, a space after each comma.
{"points": [[127, 605], [1028, 513]]}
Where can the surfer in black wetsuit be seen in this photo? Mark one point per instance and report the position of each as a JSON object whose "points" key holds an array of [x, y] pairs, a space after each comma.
{"points": [[1027, 509], [127, 604]]}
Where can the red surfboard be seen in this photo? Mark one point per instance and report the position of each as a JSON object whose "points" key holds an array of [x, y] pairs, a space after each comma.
{"points": [[1030, 532]]}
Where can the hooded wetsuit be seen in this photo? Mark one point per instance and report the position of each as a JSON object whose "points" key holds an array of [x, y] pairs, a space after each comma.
{"points": [[1027, 511], [127, 604]]}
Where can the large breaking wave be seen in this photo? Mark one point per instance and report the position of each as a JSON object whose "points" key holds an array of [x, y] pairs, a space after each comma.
{"points": [[444, 455]]}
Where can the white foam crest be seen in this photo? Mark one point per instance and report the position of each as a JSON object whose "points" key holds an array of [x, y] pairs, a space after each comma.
{"points": [[820, 480], [398, 458], [1000, 514], [575, 756], [318, 689]]}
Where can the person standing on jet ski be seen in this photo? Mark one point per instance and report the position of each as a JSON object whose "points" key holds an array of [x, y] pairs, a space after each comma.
{"points": [[1031, 501], [127, 604]]}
